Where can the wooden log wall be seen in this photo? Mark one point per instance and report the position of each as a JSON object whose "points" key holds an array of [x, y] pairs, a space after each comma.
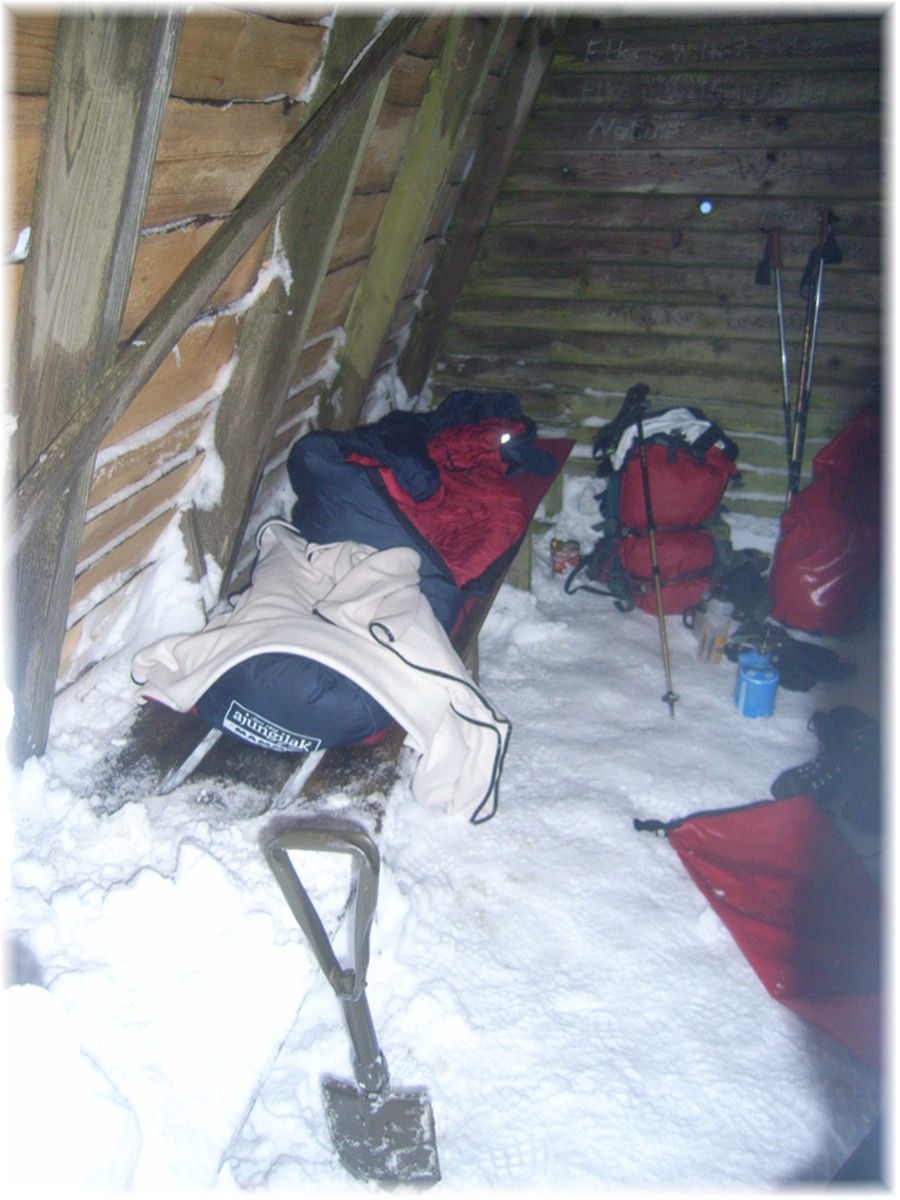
{"points": [[244, 86], [599, 269]]}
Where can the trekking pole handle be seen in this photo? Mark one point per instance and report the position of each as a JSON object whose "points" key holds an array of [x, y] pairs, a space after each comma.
{"points": [[773, 247], [347, 982], [825, 251]]}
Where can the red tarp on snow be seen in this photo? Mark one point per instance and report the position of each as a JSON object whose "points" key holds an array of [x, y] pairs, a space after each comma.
{"points": [[800, 904]]}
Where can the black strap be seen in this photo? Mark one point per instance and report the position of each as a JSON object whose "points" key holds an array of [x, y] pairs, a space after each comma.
{"points": [[598, 562], [653, 826]]}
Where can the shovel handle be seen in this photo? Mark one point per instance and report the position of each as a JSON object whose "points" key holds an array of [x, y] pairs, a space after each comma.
{"points": [[348, 983]]}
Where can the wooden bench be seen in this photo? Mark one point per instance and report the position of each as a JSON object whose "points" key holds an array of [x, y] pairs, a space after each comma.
{"points": [[165, 750]]}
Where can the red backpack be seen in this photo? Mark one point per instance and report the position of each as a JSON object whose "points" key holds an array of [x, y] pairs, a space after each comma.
{"points": [[690, 462]]}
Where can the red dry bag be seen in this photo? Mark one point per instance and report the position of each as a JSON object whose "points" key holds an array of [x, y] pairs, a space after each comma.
{"points": [[801, 906], [826, 564]]}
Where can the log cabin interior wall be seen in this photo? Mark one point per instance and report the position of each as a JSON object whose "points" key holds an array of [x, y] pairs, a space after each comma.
{"points": [[354, 249], [599, 268]]}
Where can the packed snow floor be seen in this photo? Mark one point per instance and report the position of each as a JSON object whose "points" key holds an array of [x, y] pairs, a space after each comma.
{"points": [[582, 1020]]}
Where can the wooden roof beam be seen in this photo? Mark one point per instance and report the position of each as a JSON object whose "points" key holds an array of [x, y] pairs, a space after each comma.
{"points": [[479, 193], [108, 93], [455, 81]]}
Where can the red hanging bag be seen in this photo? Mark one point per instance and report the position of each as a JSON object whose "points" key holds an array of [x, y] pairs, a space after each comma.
{"points": [[826, 565]]}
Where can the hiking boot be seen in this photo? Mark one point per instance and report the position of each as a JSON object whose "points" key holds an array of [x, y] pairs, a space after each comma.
{"points": [[845, 776]]}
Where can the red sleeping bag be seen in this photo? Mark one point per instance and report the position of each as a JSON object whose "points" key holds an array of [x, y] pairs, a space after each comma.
{"points": [[800, 905], [827, 559], [476, 512]]}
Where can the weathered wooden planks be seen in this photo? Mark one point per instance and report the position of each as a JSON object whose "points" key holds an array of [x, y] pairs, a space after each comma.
{"points": [[598, 266], [187, 372], [836, 172], [736, 130], [222, 54], [161, 258], [708, 89], [703, 323], [743, 43], [273, 332], [226, 55], [741, 216], [137, 361], [554, 391], [133, 509], [124, 467]]}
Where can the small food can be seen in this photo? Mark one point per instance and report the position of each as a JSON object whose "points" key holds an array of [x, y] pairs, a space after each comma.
{"points": [[564, 555]]}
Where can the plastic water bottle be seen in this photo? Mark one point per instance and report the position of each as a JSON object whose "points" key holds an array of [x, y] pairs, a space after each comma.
{"points": [[715, 630], [757, 685]]}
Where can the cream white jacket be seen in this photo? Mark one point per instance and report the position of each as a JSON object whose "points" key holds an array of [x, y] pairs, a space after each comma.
{"points": [[361, 612]]}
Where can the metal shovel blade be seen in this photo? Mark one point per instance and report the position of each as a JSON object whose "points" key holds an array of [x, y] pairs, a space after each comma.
{"points": [[388, 1139]]}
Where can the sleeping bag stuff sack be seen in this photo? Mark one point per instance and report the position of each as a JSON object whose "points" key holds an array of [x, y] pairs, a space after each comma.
{"points": [[826, 565], [690, 462], [800, 905], [622, 566], [446, 484], [685, 488]]}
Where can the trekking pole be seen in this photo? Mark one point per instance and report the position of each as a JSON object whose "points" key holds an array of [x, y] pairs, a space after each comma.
{"points": [[771, 264], [670, 697], [825, 251]]}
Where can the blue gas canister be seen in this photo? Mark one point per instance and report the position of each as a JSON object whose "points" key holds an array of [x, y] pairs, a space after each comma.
{"points": [[757, 684]]}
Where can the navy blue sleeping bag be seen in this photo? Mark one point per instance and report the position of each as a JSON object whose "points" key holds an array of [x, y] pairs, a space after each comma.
{"points": [[343, 483]]}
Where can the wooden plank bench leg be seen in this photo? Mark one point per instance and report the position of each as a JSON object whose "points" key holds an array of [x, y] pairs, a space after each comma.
{"points": [[157, 745]]}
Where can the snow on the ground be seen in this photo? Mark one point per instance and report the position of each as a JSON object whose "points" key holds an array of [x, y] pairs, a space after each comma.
{"points": [[579, 1015]]}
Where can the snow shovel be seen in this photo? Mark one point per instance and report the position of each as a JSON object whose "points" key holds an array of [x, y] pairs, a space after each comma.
{"points": [[381, 1134]]}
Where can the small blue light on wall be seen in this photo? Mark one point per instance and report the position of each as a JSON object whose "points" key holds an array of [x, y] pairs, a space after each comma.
{"points": [[706, 207]]}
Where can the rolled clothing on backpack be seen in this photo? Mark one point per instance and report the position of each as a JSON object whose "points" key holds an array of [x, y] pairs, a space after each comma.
{"points": [[361, 612]]}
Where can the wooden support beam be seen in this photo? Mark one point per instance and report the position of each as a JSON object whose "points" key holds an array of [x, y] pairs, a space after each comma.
{"points": [[482, 185], [108, 93], [58, 462], [273, 332], [455, 81]]}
